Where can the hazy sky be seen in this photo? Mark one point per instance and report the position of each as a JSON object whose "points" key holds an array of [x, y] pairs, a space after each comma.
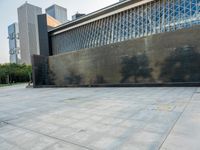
{"points": [[8, 15]]}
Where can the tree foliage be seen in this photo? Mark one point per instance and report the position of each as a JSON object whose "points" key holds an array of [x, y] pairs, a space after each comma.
{"points": [[13, 73]]}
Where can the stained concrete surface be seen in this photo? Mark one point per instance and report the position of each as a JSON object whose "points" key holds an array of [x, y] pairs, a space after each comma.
{"points": [[160, 58], [99, 118]]}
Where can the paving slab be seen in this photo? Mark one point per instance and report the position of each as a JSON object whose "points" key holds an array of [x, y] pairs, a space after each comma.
{"points": [[165, 118]]}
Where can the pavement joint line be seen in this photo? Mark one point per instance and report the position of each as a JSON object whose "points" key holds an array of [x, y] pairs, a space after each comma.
{"points": [[189, 101], [65, 141]]}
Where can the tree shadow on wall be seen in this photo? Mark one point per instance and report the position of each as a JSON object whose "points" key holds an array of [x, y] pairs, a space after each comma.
{"points": [[183, 65], [135, 67], [99, 79], [52, 77], [72, 79]]}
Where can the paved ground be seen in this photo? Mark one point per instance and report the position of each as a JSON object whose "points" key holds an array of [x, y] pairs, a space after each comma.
{"points": [[99, 118]]}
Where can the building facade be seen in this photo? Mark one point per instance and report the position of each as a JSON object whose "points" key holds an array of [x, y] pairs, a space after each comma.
{"points": [[14, 45], [124, 21], [57, 12], [130, 42], [28, 31], [52, 22]]}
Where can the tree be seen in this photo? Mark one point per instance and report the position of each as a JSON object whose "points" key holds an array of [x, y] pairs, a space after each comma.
{"points": [[10, 73]]}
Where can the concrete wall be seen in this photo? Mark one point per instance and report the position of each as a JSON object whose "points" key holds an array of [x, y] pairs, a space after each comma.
{"points": [[161, 58]]}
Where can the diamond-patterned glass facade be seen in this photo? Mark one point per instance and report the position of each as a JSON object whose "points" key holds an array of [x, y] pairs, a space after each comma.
{"points": [[151, 18]]}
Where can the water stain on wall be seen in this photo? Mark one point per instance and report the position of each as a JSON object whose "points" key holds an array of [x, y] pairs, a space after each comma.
{"points": [[72, 78], [182, 65], [98, 79], [135, 67]]}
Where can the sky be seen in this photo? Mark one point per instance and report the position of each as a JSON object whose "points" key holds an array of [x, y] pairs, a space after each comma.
{"points": [[8, 15]]}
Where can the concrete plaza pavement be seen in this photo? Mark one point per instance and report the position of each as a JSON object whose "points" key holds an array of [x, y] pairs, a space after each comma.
{"points": [[165, 118]]}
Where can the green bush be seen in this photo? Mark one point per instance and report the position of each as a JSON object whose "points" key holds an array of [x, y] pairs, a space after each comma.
{"points": [[15, 73]]}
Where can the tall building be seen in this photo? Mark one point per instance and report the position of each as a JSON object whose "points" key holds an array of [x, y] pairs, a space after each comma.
{"points": [[77, 16], [57, 12], [14, 50], [28, 31]]}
